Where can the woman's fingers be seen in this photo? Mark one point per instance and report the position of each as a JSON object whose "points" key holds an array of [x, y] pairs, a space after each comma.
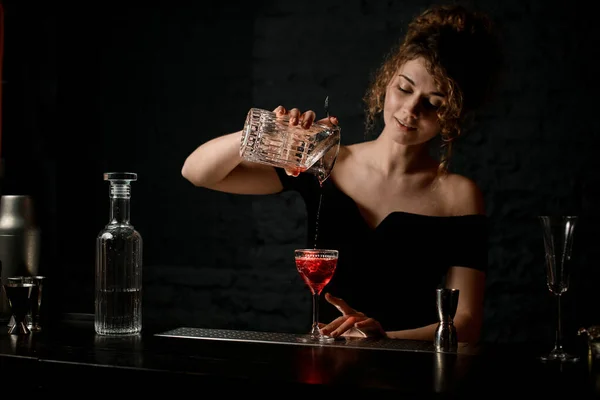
{"points": [[297, 117], [343, 327], [294, 115], [333, 325], [303, 119], [351, 323], [329, 121], [307, 118], [370, 327], [340, 304]]}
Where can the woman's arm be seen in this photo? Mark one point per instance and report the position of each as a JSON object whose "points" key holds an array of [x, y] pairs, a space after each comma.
{"points": [[217, 165], [467, 320], [469, 313]]}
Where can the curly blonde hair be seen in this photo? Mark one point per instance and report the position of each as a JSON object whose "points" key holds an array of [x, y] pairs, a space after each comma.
{"points": [[462, 53]]}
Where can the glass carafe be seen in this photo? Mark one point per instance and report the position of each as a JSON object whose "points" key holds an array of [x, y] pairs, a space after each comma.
{"points": [[118, 297]]}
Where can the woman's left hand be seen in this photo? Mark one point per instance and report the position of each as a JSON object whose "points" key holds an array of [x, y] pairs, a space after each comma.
{"points": [[352, 323]]}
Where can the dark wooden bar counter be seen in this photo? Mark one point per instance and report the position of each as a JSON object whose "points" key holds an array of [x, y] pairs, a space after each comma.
{"points": [[70, 355]]}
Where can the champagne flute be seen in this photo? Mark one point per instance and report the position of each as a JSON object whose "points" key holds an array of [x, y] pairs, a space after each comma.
{"points": [[558, 241], [316, 267]]}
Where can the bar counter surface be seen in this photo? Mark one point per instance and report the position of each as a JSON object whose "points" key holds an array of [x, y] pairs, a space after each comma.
{"points": [[69, 355]]}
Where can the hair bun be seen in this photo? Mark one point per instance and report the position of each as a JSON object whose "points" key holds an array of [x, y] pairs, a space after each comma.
{"points": [[464, 43]]}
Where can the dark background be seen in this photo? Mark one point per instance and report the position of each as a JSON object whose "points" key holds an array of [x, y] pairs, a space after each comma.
{"points": [[97, 87]]}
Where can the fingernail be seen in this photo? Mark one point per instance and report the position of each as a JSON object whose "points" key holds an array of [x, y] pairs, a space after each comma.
{"points": [[294, 120]]}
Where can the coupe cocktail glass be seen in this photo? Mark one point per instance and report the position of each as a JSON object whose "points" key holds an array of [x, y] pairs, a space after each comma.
{"points": [[316, 267], [558, 241]]}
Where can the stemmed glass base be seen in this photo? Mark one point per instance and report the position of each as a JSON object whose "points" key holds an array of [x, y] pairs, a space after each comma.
{"points": [[315, 336], [559, 355], [316, 339]]}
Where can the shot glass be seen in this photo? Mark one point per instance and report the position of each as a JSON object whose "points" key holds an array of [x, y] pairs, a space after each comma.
{"points": [[19, 300], [17, 280], [32, 319]]}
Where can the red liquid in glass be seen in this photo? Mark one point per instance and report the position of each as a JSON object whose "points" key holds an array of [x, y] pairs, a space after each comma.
{"points": [[296, 171], [316, 272]]}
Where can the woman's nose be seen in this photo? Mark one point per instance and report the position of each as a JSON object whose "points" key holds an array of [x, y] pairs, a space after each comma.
{"points": [[411, 105]]}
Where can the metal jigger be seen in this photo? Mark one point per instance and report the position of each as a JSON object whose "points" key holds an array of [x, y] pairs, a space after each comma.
{"points": [[445, 334], [19, 299]]}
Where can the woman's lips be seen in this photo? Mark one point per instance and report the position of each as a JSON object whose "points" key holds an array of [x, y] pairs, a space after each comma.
{"points": [[404, 126]]}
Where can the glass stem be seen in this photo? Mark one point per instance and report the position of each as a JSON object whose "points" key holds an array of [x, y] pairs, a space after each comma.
{"points": [[315, 308], [558, 346]]}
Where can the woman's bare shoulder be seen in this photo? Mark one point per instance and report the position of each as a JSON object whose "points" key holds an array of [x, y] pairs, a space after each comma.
{"points": [[463, 194], [354, 148], [349, 169], [351, 153]]}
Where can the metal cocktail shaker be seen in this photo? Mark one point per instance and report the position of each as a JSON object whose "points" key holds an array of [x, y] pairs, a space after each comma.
{"points": [[445, 335], [19, 243]]}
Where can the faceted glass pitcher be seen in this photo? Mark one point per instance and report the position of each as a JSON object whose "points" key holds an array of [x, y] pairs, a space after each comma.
{"points": [[268, 139]]}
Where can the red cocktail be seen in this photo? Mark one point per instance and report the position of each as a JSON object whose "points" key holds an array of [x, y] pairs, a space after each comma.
{"points": [[316, 266]]}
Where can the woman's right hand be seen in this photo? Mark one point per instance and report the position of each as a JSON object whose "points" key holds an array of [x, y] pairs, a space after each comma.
{"points": [[302, 119], [351, 323]]}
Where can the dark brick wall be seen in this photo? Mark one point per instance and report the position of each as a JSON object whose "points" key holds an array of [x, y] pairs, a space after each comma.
{"points": [[139, 88]]}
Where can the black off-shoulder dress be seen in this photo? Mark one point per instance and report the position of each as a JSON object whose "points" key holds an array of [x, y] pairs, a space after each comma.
{"points": [[390, 272]]}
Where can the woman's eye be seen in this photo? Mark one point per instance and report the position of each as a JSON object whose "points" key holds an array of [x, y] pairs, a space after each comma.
{"points": [[403, 89], [431, 105]]}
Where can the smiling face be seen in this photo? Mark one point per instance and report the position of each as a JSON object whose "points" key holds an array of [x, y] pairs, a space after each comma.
{"points": [[411, 103]]}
